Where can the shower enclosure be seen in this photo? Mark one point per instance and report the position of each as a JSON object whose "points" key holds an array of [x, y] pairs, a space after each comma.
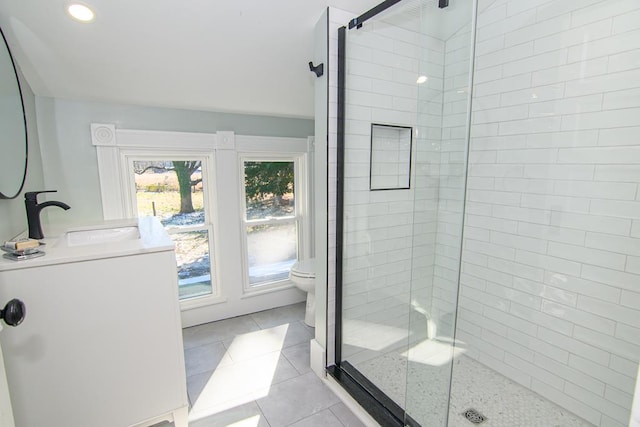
{"points": [[488, 211]]}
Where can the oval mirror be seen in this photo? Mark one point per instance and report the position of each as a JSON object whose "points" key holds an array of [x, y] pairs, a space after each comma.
{"points": [[13, 127]]}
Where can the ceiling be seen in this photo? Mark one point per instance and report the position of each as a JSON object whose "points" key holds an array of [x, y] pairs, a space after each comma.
{"points": [[244, 56]]}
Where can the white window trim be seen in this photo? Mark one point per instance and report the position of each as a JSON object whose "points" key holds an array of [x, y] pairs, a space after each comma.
{"points": [[111, 142], [301, 218]]}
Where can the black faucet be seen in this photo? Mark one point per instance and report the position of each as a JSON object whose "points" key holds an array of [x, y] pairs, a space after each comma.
{"points": [[33, 211]]}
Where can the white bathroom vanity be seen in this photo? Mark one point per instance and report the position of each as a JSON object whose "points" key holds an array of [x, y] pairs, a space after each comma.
{"points": [[101, 343]]}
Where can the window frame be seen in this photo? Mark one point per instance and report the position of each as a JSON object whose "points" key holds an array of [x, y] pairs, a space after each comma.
{"points": [[129, 156], [300, 217]]}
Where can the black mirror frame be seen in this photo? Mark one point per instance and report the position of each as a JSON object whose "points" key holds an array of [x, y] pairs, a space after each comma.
{"points": [[24, 118]]}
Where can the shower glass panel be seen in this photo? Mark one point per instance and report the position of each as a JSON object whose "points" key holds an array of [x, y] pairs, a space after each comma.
{"points": [[408, 69], [441, 167]]}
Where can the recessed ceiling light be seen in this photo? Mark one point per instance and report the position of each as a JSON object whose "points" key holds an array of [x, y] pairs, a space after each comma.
{"points": [[422, 79], [81, 12]]}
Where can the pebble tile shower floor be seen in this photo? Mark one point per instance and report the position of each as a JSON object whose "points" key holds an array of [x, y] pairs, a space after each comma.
{"points": [[503, 402]]}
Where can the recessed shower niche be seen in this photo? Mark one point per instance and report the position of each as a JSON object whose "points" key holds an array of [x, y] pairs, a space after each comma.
{"points": [[390, 157]]}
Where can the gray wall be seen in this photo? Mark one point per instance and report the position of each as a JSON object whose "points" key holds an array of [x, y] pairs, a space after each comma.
{"points": [[13, 218], [70, 164]]}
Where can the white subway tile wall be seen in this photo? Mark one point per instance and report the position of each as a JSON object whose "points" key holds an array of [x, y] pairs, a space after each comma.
{"points": [[550, 290]]}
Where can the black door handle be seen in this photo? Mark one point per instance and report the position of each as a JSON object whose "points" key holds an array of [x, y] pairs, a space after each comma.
{"points": [[13, 312]]}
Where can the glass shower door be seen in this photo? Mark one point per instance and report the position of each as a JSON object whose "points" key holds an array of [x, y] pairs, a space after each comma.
{"points": [[377, 223], [381, 70], [406, 96]]}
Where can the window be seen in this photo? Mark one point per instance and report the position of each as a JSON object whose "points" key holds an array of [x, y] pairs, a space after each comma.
{"points": [[271, 218], [174, 191], [216, 241]]}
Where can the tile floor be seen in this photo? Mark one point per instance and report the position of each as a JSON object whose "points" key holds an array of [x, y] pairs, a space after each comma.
{"points": [[253, 371]]}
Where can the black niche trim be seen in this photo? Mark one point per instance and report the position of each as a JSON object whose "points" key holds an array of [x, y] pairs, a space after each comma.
{"points": [[371, 157]]}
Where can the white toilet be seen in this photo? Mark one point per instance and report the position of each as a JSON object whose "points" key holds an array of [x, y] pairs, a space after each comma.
{"points": [[303, 275]]}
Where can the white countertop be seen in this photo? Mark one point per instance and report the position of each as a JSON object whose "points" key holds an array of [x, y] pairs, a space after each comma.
{"points": [[153, 238]]}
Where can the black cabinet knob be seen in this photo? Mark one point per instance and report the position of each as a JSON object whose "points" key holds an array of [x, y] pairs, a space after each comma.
{"points": [[13, 313]]}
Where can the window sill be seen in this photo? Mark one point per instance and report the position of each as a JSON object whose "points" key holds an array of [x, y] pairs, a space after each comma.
{"points": [[267, 289], [193, 303]]}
